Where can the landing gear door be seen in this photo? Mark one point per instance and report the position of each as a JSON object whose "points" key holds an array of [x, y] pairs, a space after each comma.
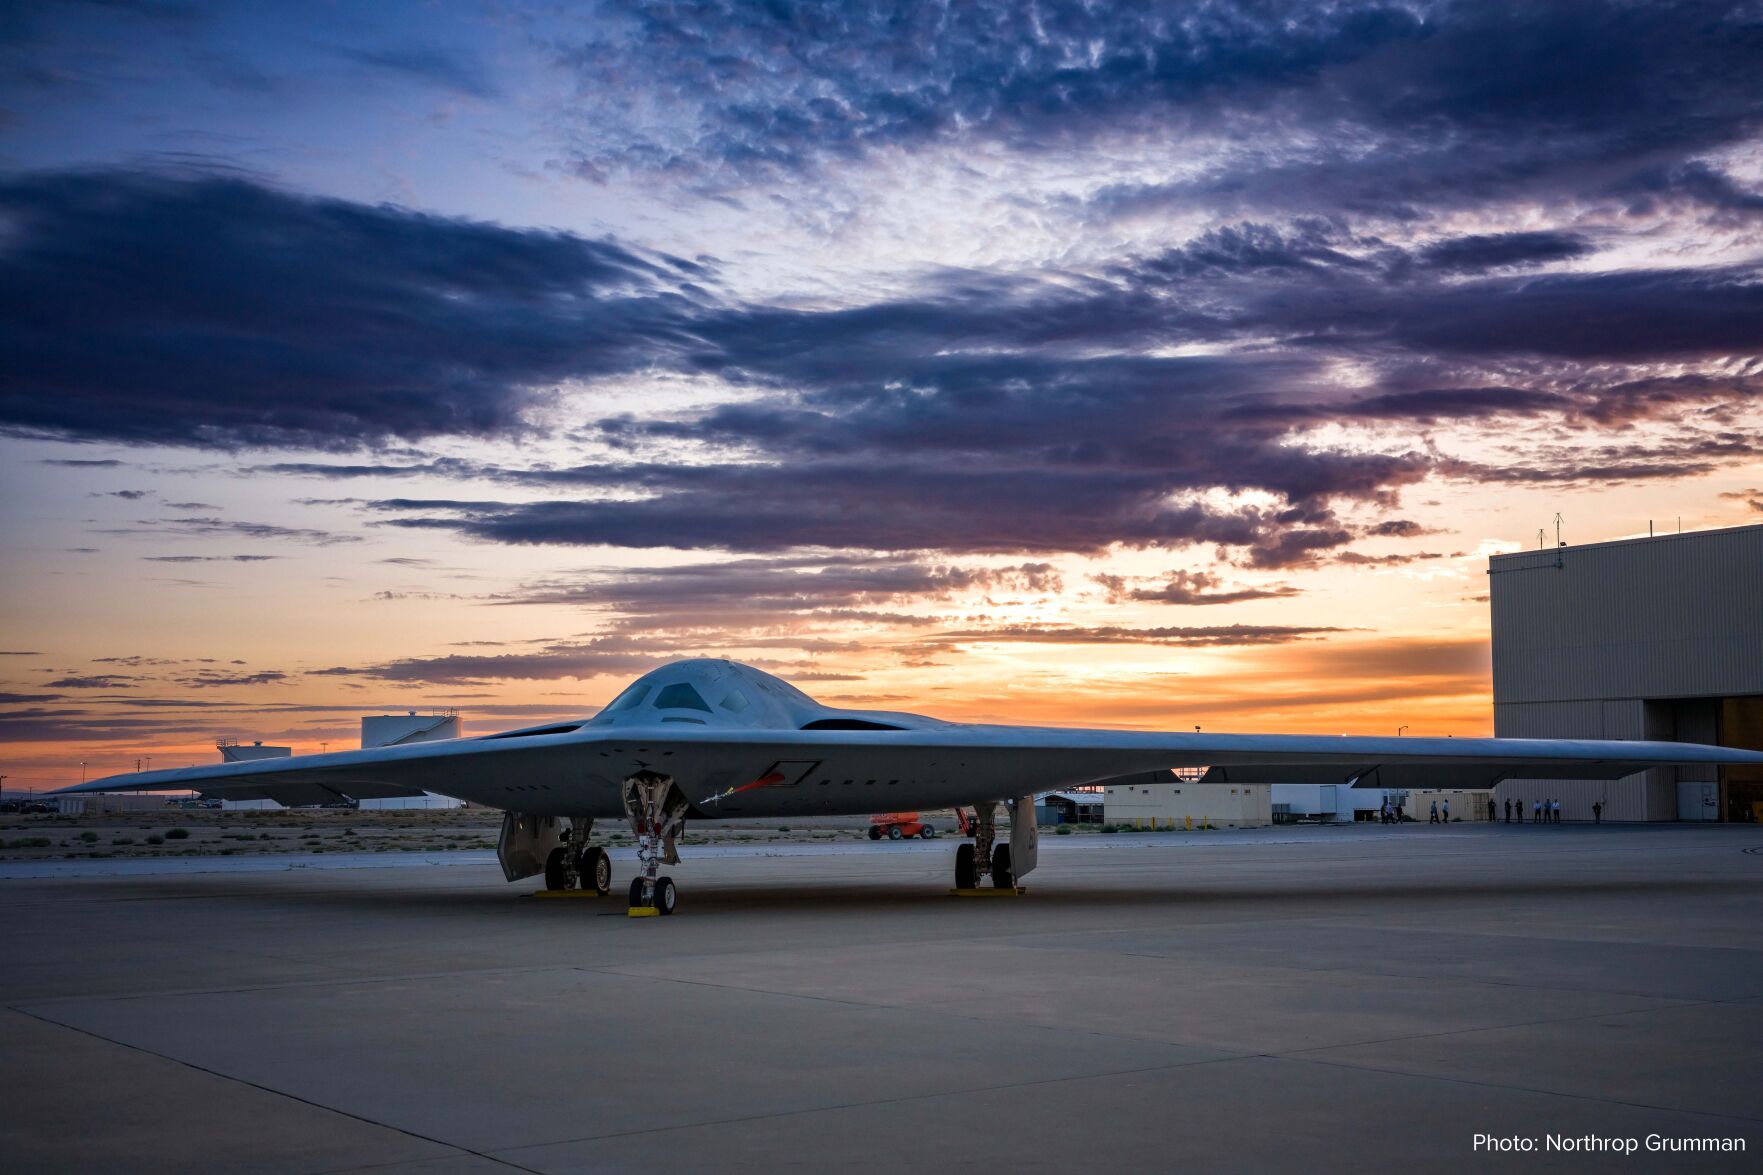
{"points": [[525, 843], [1024, 836]]}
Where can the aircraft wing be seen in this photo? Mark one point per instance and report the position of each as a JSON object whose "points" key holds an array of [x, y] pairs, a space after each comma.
{"points": [[444, 766], [548, 769]]}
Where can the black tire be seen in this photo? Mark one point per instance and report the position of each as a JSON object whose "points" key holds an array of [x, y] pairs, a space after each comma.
{"points": [[893, 832], [1003, 877], [666, 896], [874, 832], [966, 873], [595, 871], [927, 832], [636, 891], [556, 876]]}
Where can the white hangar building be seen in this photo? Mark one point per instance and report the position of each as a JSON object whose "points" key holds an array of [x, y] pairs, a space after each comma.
{"points": [[1651, 638]]}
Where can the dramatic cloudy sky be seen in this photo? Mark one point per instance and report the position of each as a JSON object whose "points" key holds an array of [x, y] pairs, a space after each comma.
{"points": [[1142, 364]]}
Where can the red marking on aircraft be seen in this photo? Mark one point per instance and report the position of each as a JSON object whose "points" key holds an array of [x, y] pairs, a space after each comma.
{"points": [[763, 781]]}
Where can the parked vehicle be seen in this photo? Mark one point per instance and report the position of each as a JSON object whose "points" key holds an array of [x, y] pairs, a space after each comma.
{"points": [[898, 825]]}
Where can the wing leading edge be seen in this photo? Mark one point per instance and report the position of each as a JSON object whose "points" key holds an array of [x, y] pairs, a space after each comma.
{"points": [[578, 769]]}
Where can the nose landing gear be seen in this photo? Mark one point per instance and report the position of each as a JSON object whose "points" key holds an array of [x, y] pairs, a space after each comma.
{"points": [[657, 811]]}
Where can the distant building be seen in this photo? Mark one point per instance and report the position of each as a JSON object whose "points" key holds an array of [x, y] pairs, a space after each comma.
{"points": [[234, 752], [93, 803], [1654, 638], [391, 730], [1340, 803], [1069, 807], [1159, 799]]}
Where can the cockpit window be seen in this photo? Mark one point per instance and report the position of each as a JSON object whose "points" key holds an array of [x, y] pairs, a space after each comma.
{"points": [[633, 696], [735, 702], [680, 696]]}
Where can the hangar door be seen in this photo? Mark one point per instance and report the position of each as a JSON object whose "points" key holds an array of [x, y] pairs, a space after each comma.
{"points": [[1741, 725]]}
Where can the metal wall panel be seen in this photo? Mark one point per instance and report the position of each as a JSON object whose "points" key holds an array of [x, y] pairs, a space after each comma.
{"points": [[1674, 616]]}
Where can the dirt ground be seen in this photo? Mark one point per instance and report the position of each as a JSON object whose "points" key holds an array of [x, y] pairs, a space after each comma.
{"points": [[176, 832]]}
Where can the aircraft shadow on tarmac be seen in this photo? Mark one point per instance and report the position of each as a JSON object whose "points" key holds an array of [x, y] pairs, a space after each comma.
{"points": [[780, 897]]}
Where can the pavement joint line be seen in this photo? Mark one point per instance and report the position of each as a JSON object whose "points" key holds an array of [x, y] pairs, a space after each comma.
{"points": [[293, 1097], [1674, 1005], [945, 1014], [1370, 974], [24, 1005], [886, 1101], [788, 995], [1512, 1087]]}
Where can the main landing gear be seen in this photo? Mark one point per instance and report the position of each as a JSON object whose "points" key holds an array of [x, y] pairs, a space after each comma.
{"points": [[575, 864], [1004, 862], [657, 811]]}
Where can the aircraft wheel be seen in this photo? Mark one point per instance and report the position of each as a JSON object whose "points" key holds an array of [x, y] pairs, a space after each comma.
{"points": [[1002, 877], [666, 896], [556, 876], [874, 832], [893, 832], [966, 875], [595, 870], [636, 891], [927, 832]]}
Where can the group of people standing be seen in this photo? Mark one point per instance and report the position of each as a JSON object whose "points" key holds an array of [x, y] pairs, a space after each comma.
{"points": [[1541, 811]]}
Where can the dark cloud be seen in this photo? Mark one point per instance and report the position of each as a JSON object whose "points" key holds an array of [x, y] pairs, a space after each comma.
{"points": [[1401, 528], [19, 699], [1697, 183], [1473, 254], [73, 463], [215, 311], [1751, 498], [1205, 636], [614, 656], [248, 530], [435, 67], [763, 509], [1358, 559], [209, 558], [96, 681], [1190, 588], [207, 678], [742, 598]]}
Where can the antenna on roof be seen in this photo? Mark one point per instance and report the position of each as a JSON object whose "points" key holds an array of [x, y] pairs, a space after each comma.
{"points": [[1558, 541]]}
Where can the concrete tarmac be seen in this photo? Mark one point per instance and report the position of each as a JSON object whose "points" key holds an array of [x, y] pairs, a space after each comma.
{"points": [[1322, 999]]}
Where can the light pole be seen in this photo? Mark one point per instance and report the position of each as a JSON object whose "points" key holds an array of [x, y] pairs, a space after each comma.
{"points": [[82, 771], [1400, 729]]}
